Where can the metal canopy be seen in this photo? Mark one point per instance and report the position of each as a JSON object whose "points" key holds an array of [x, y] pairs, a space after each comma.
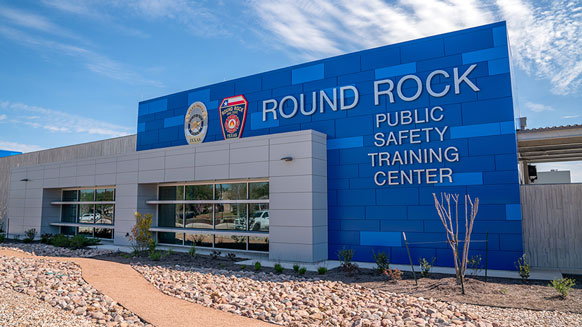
{"points": [[551, 144]]}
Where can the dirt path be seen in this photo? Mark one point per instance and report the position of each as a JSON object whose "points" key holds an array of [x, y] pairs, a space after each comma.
{"points": [[126, 286]]}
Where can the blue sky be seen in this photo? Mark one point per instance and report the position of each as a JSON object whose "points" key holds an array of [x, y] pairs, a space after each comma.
{"points": [[74, 71]]}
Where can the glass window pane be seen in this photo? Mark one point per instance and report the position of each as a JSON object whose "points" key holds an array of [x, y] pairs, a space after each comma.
{"points": [[104, 194], [259, 217], [70, 195], [231, 191], [104, 214], [69, 213], [204, 240], [198, 216], [259, 191], [257, 243], [104, 233], [172, 192], [86, 231], [230, 242], [67, 230], [87, 214], [170, 215], [87, 195], [199, 192], [230, 216], [170, 238]]}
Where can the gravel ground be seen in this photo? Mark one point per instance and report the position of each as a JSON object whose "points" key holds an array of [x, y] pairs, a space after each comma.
{"points": [[53, 251], [296, 301], [19, 310], [60, 285]]}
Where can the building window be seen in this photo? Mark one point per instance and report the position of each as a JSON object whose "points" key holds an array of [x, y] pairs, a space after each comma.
{"points": [[228, 207], [91, 211]]}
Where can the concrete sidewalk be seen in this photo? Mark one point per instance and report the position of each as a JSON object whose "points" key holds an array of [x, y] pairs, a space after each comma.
{"points": [[126, 286]]}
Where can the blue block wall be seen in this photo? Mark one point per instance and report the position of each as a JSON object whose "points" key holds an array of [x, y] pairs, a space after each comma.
{"points": [[362, 215], [6, 153]]}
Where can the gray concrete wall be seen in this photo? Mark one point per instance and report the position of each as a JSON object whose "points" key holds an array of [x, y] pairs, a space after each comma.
{"points": [[552, 226], [298, 188], [125, 144]]}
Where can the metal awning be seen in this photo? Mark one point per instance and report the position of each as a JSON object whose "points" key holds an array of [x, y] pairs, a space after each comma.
{"points": [[550, 144]]}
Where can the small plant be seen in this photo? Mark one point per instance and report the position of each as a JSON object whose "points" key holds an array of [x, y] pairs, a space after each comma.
{"points": [[215, 254], [322, 270], [243, 267], [30, 235], [152, 246], [231, 256], [296, 268], [474, 264], [346, 256], [155, 255], [278, 268], [222, 265], [80, 241], [426, 266], [563, 286], [522, 265], [45, 238], [382, 262], [169, 252], [302, 271], [192, 251], [393, 274], [126, 255], [257, 266], [2, 238], [60, 240], [141, 236], [504, 291]]}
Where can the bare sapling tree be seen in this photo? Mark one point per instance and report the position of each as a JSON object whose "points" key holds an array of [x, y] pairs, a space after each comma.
{"points": [[444, 210]]}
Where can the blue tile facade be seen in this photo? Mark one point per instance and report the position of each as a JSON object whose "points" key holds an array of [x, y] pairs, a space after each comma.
{"points": [[5, 153], [363, 215]]}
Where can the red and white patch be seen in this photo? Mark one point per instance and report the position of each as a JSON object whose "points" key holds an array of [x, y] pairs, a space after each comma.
{"points": [[232, 123]]}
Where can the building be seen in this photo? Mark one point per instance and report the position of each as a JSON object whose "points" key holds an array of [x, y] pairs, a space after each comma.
{"points": [[553, 176], [301, 162]]}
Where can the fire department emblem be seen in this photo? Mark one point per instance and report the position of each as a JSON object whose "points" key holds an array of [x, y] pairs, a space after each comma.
{"points": [[196, 123], [233, 113]]}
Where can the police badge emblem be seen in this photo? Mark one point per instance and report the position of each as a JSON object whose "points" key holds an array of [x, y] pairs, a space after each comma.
{"points": [[233, 113], [196, 123]]}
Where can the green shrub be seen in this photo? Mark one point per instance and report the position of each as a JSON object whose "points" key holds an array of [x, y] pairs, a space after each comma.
{"points": [[522, 265], [346, 256], [296, 268], [155, 255], [243, 267], [425, 266], [141, 236], [60, 240], [563, 286], [222, 265], [302, 271], [152, 246], [322, 270], [2, 238], [192, 251], [30, 235], [80, 241], [474, 264], [45, 238], [257, 266], [278, 268], [382, 262]]}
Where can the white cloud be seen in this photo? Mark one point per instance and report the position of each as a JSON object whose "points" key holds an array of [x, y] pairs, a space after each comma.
{"points": [[60, 122], [544, 36], [570, 116], [19, 147], [2, 117], [34, 22], [538, 107]]}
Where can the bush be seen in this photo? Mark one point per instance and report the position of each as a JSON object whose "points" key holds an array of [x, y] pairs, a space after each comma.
{"points": [[231, 256], [141, 236], [278, 268], [522, 265], [60, 240], [30, 235], [425, 266], [346, 256], [2, 238], [257, 266], [302, 271], [563, 286], [243, 267], [155, 255], [214, 254], [192, 251], [474, 264], [382, 262], [322, 270], [80, 241], [393, 274], [45, 238], [296, 268]]}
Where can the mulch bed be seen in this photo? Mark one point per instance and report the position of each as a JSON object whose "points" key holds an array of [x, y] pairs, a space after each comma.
{"points": [[499, 292]]}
